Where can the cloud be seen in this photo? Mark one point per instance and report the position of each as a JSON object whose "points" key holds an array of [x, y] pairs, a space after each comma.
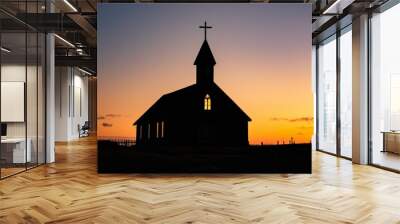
{"points": [[298, 119], [302, 119], [107, 116], [106, 125], [113, 115]]}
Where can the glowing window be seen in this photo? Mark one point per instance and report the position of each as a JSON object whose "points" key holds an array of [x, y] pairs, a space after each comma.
{"points": [[162, 129], [207, 102], [157, 129]]}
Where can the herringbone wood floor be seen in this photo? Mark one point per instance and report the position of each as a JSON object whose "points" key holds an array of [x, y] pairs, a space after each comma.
{"points": [[70, 191]]}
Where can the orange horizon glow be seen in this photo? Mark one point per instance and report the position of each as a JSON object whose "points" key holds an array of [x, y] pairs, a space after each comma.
{"points": [[275, 117]]}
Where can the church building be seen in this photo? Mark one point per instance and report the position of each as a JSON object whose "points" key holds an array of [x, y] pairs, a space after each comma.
{"points": [[201, 114]]}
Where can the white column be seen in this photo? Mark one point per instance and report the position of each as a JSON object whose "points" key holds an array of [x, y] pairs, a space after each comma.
{"points": [[50, 92], [360, 90], [314, 91], [50, 99]]}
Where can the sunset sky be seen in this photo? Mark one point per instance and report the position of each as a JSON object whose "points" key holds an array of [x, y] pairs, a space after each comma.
{"points": [[263, 54]]}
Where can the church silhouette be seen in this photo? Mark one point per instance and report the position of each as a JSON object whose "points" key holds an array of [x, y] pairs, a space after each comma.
{"points": [[201, 114]]}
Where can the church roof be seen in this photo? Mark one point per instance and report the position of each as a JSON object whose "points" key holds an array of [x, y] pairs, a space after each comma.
{"points": [[205, 56], [188, 102]]}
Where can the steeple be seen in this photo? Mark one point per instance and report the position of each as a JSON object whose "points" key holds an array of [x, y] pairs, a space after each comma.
{"points": [[205, 56], [205, 61]]}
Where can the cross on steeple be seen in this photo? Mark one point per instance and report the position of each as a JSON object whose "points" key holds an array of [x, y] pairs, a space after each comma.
{"points": [[205, 27]]}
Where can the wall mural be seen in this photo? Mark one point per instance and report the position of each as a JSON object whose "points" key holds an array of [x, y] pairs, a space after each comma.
{"points": [[204, 88]]}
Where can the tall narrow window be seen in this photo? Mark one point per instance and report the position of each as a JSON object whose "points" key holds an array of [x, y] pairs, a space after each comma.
{"points": [[162, 129], [327, 87], [207, 102], [148, 131], [158, 129], [140, 132], [345, 93]]}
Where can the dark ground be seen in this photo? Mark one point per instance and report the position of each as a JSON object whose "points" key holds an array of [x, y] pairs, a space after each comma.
{"points": [[114, 158]]}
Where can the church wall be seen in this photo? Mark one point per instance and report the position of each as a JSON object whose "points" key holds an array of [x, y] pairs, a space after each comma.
{"points": [[233, 132], [191, 132], [155, 138], [177, 133]]}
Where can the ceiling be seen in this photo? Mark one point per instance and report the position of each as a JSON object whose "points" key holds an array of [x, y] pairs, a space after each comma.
{"points": [[75, 21]]}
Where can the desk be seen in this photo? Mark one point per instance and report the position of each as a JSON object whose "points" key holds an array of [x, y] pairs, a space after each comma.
{"points": [[13, 150], [391, 141]]}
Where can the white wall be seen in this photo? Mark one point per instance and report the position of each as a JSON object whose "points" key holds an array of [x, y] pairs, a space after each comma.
{"points": [[16, 73], [62, 81], [80, 112], [71, 102]]}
